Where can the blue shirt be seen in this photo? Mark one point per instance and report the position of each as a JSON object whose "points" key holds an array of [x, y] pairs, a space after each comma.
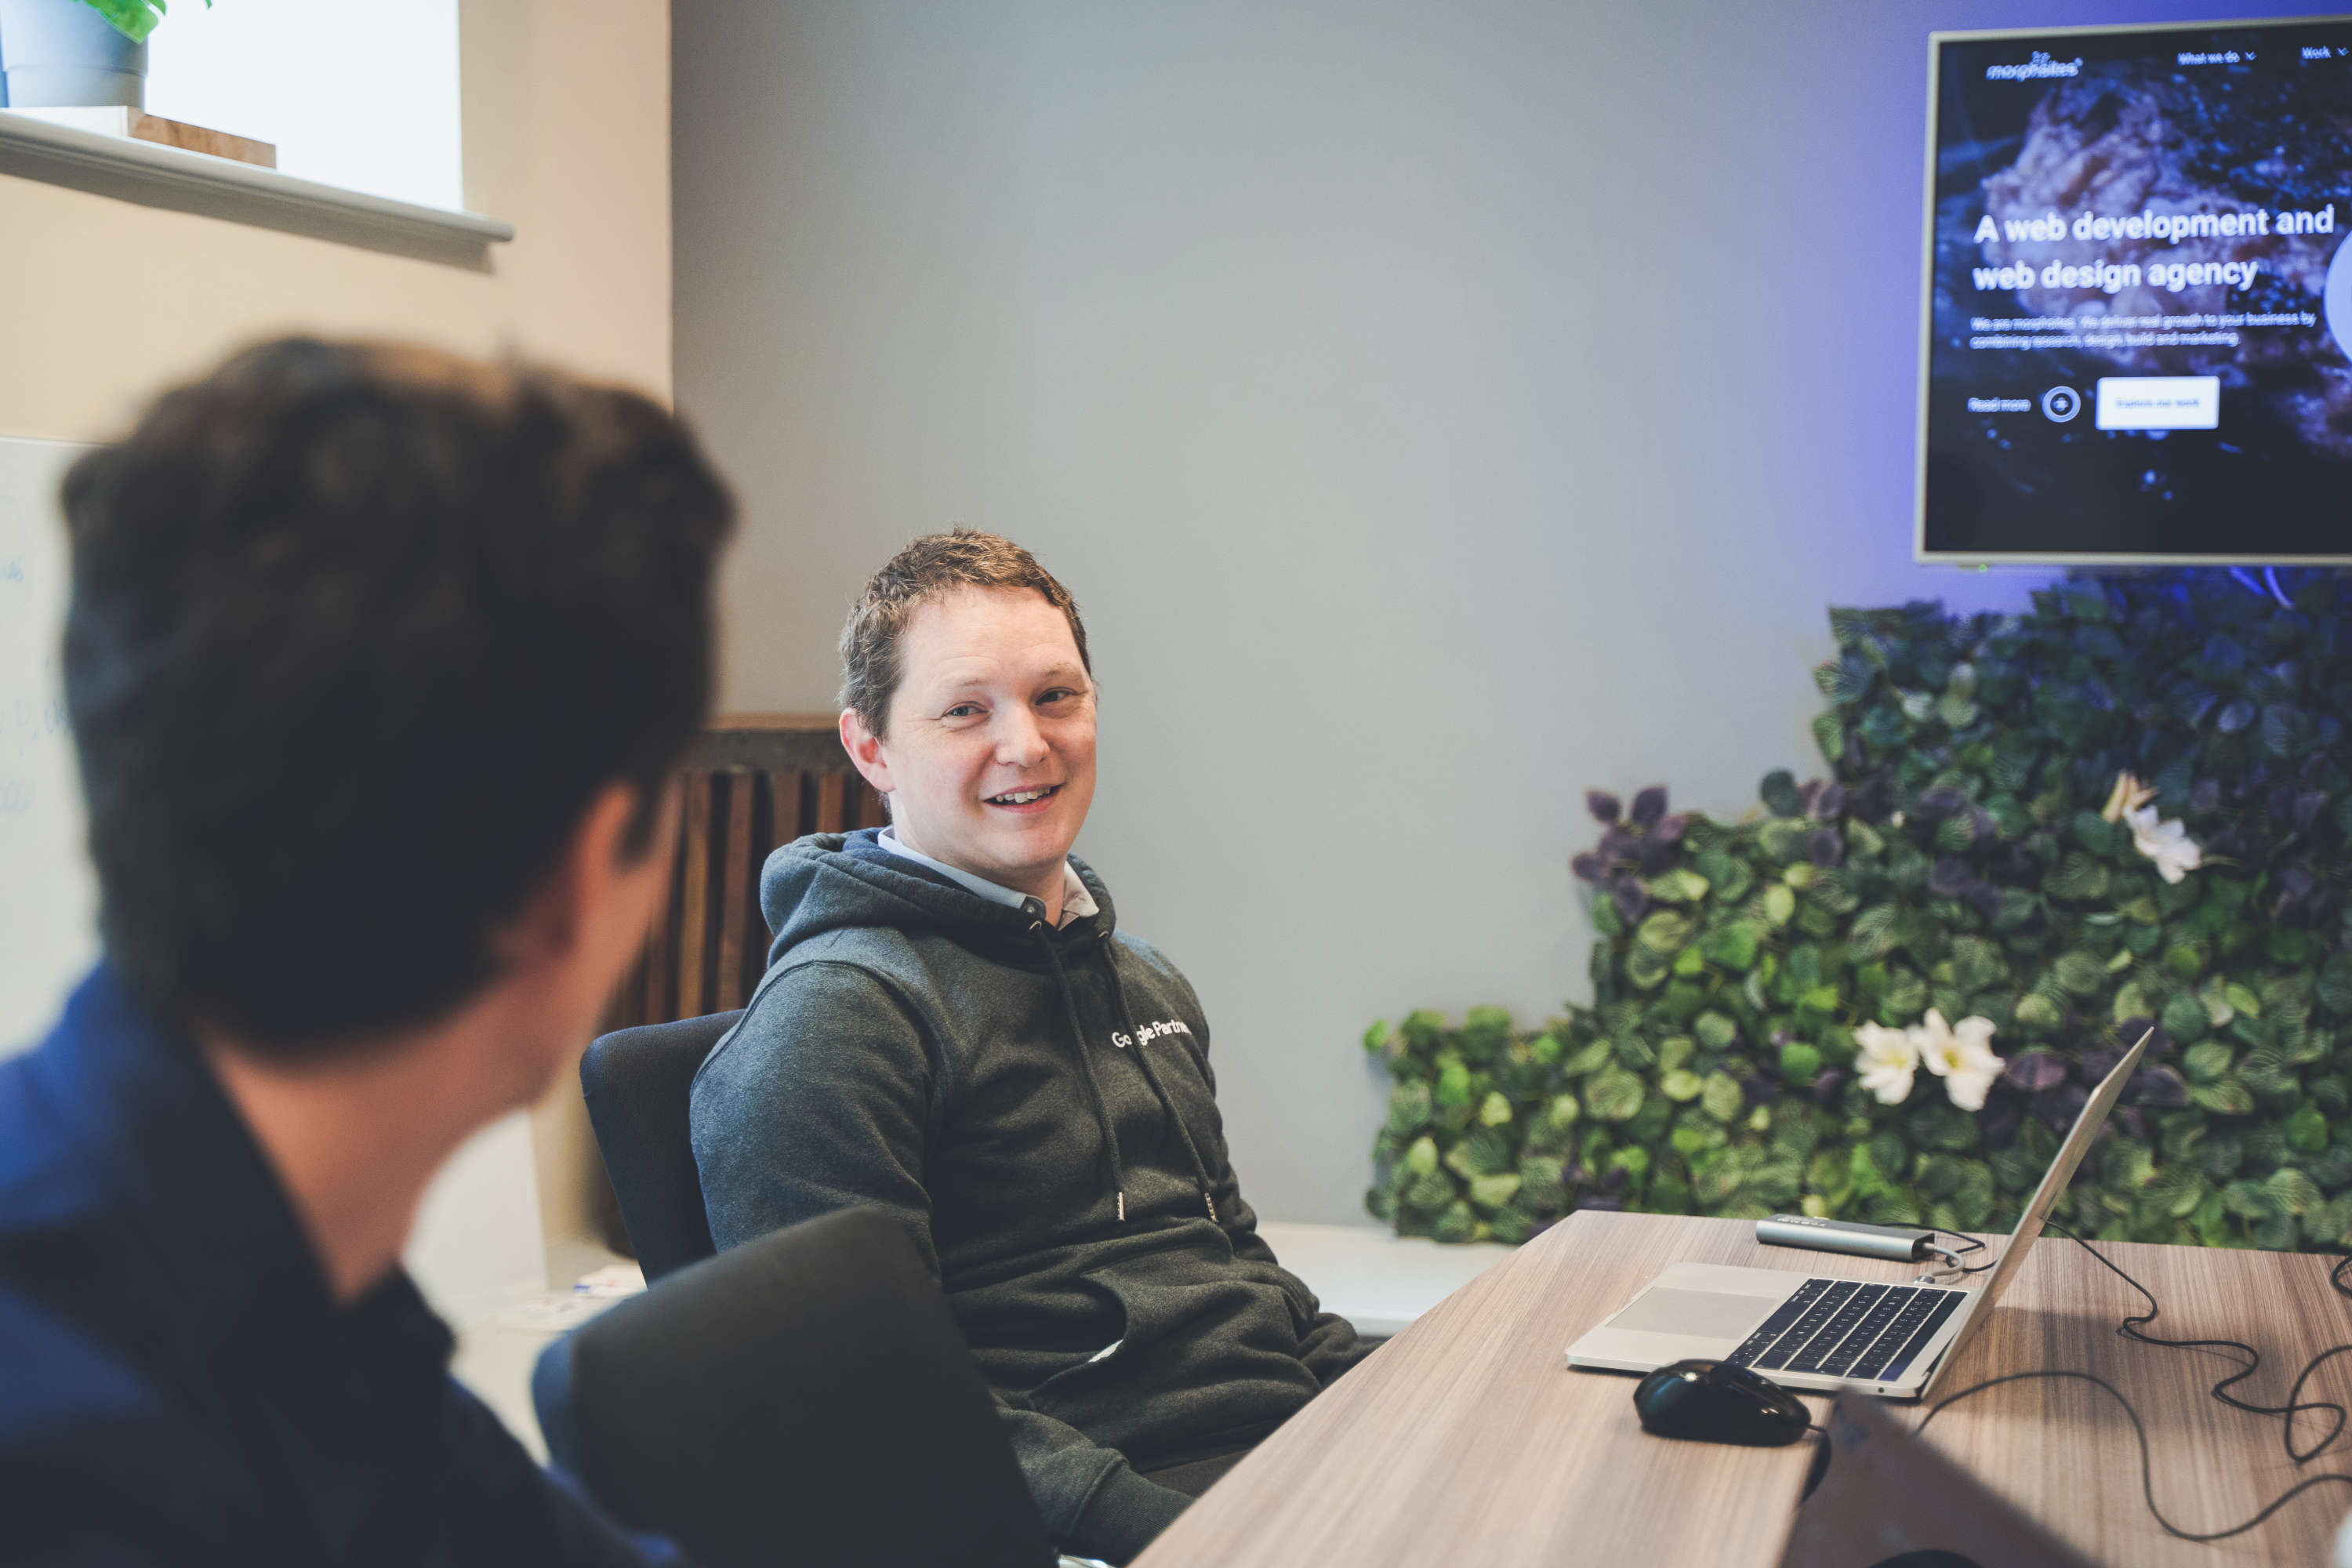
{"points": [[177, 1384]]}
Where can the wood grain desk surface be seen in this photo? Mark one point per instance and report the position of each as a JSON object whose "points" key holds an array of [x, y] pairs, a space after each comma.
{"points": [[1465, 1439]]}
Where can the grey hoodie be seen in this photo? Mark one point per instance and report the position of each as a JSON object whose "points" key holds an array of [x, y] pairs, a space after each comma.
{"points": [[1035, 1107]]}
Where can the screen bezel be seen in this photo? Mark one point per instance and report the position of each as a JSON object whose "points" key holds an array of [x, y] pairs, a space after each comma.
{"points": [[1920, 553]]}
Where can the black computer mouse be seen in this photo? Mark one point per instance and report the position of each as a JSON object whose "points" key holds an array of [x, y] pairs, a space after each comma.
{"points": [[1713, 1402]]}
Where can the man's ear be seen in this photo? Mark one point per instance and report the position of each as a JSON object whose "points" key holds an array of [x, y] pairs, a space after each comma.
{"points": [[865, 749], [592, 872]]}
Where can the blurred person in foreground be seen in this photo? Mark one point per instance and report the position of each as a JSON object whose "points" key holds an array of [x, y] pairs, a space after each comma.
{"points": [[954, 1027], [377, 661]]}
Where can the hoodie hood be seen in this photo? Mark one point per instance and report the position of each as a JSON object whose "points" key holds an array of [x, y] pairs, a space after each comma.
{"points": [[838, 881]]}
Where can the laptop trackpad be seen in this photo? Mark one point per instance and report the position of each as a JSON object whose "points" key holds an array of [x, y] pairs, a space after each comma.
{"points": [[1704, 1313]]}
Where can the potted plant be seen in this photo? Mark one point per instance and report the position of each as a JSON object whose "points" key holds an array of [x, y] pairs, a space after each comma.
{"points": [[66, 54]]}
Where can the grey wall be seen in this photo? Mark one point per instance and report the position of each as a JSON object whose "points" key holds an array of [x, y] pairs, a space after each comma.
{"points": [[1437, 409]]}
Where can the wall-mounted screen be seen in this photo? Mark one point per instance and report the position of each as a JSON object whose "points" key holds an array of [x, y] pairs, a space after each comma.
{"points": [[2138, 300]]}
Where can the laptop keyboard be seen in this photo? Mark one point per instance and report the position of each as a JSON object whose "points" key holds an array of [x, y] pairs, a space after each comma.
{"points": [[1844, 1328]]}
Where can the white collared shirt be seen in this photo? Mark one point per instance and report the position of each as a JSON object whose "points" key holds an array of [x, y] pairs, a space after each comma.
{"points": [[1076, 901]]}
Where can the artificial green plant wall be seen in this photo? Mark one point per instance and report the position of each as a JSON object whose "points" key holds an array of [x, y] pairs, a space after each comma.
{"points": [[1882, 997]]}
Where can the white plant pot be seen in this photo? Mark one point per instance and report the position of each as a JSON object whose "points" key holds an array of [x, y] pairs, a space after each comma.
{"points": [[60, 54]]}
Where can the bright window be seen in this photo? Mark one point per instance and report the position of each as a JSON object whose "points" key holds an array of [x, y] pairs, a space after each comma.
{"points": [[357, 93]]}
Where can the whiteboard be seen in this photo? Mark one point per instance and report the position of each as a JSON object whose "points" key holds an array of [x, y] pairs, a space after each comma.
{"points": [[48, 898]]}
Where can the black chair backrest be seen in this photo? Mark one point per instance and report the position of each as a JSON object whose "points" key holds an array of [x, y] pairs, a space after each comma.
{"points": [[637, 1082], [803, 1400]]}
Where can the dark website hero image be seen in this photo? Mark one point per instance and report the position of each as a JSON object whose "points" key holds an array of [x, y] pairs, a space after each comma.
{"points": [[2142, 300]]}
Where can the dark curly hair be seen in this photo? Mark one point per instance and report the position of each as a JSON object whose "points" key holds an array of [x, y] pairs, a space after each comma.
{"points": [[357, 630]]}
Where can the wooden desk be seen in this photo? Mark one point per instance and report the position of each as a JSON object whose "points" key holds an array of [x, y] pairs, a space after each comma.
{"points": [[1466, 1440]]}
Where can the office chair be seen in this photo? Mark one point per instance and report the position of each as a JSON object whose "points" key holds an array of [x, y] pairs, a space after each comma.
{"points": [[803, 1399], [637, 1082]]}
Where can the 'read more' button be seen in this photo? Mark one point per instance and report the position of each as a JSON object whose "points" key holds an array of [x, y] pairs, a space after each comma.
{"points": [[2158, 402]]}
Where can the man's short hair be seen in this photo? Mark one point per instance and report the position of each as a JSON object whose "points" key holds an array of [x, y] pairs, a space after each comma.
{"points": [[357, 631], [929, 567]]}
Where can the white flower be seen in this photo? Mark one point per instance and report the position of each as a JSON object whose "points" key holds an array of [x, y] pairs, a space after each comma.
{"points": [[2129, 795], [1888, 1059], [2166, 843], [1961, 1055]]}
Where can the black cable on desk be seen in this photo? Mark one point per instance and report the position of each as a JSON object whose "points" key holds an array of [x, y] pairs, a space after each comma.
{"points": [[2133, 1328]]}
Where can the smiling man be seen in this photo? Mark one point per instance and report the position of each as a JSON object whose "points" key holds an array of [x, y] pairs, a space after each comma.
{"points": [[952, 1028]]}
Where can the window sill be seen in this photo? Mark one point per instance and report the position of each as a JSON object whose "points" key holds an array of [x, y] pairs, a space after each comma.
{"points": [[160, 176]]}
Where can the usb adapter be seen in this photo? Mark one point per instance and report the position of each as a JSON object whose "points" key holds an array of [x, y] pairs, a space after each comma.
{"points": [[1899, 1243]]}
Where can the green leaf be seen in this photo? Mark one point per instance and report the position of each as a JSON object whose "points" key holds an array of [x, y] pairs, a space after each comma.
{"points": [[1495, 1112], [2293, 1191], [1422, 1158], [1874, 932], [2080, 972], [1734, 945], [1662, 931], [134, 19], [1564, 1110], [2227, 1097], [2079, 878], [1613, 1095], [1681, 1084], [2206, 1062], [1493, 1192], [2038, 1014], [2184, 1016], [1715, 1031], [1590, 1058], [1799, 1062], [1829, 735], [1722, 1096], [1780, 903], [1778, 792]]}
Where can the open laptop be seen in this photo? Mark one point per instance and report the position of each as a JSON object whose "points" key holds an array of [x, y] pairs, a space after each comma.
{"points": [[1808, 1332]]}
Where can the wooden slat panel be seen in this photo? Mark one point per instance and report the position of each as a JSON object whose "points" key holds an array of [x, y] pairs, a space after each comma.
{"points": [[871, 812], [785, 810], [832, 790], [694, 904], [737, 867]]}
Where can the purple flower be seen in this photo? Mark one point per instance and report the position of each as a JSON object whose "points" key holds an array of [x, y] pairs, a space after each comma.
{"points": [[1826, 848], [1596, 1201], [1935, 804], [1671, 827], [1951, 878], [1649, 805], [2132, 1120], [2097, 1063], [1631, 899], [1828, 1088], [2307, 806], [1589, 868], [1602, 804], [2205, 799], [2035, 1071], [1831, 805], [2159, 1087]]}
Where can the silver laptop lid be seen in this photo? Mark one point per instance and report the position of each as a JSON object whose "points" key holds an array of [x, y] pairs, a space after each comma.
{"points": [[2086, 1127]]}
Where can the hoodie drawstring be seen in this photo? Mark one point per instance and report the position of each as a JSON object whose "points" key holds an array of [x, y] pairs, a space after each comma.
{"points": [[1167, 1106], [1086, 1065]]}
